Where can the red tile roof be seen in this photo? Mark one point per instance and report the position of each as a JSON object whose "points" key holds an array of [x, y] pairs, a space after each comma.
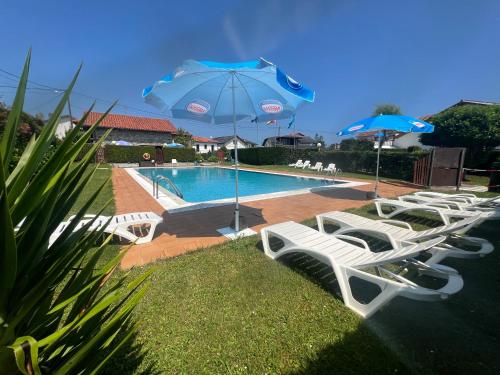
{"points": [[203, 139], [131, 123]]}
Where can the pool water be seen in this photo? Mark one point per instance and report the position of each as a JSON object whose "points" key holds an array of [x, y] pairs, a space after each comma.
{"points": [[201, 184]]}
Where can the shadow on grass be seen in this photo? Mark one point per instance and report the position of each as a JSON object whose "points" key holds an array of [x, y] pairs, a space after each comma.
{"points": [[458, 335], [358, 352], [128, 360]]}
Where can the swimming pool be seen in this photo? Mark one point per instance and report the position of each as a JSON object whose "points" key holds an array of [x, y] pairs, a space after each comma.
{"points": [[202, 184]]}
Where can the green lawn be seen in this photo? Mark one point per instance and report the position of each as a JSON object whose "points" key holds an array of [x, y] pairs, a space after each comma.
{"points": [[230, 309], [102, 174]]}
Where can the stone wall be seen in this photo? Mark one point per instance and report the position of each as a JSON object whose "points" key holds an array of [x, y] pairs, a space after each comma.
{"points": [[134, 136]]}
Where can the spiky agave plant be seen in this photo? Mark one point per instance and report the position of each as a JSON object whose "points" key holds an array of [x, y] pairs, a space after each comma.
{"points": [[60, 312]]}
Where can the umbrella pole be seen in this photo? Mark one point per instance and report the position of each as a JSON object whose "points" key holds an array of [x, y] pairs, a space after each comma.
{"points": [[235, 141], [378, 164]]}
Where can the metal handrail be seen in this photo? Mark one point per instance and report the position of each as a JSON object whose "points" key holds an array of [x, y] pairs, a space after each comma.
{"points": [[174, 187], [336, 173]]}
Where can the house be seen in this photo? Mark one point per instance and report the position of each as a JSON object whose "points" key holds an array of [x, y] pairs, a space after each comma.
{"points": [[228, 142], [204, 145], [292, 140], [132, 129]]}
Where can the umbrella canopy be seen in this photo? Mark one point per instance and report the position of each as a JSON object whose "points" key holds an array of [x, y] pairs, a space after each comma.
{"points": [[405, 124], [220, 93], [174, 145], [122, 143], [383, 123]]}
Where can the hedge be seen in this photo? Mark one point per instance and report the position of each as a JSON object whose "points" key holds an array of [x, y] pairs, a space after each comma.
{"points": [[134, 154], [392, 164], [181, 154]]}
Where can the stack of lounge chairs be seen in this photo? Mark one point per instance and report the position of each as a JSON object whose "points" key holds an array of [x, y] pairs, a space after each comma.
{"points": [[347, 251], [317, 167]]}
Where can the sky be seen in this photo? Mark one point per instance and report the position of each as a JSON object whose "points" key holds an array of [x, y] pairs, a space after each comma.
{"points": [[421, 55]]}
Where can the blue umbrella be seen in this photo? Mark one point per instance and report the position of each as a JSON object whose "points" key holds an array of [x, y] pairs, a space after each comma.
{"points": [[123, 143], [383, 123], [220, 93], [174, 145]]}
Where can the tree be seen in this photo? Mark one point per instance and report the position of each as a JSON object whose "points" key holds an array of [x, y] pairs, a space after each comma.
{"points": [[475, 127], [183, 137], [353, 144], [387, 109]]}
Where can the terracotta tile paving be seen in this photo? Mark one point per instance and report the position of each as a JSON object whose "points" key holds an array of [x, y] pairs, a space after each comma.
{"points": [[187, 231]]}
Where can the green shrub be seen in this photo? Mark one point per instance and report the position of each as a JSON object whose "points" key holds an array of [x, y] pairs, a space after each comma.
{"points": [[392, 164], [213, 159], [127, 154], [181, 154], [414, 149], [61, 310]]}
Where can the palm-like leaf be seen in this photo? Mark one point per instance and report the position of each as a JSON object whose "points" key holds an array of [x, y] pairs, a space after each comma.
{"points": [[58, 313]]}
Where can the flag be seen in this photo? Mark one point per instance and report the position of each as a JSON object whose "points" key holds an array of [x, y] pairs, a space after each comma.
{"points": [[291, 122], [271, 122]]}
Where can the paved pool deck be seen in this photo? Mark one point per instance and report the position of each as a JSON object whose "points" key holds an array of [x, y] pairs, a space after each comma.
{"points": [[187, 231]]}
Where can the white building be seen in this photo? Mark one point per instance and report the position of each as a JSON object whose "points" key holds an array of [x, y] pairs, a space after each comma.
{"points": [[228, 142], [204, 145], [64, 126]]}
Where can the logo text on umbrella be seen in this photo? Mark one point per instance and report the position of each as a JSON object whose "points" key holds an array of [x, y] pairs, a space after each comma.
{"points": [[198, 107], [271, 106]]}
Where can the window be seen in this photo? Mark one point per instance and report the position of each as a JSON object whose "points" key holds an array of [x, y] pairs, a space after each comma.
{"points": [[205, 146], [212, 148], [197, 148]]}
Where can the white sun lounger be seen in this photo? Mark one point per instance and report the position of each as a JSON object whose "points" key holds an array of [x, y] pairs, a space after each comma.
{"points": [[306, 164], [465, 198], [119, 225], [452, 204], [317, 167], [398, 232], [443, 211], [297, 164], [348, 261], [174, 161], [330, 169]]}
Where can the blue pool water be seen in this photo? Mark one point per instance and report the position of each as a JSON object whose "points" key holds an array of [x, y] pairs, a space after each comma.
{"points": [[199, 184]]}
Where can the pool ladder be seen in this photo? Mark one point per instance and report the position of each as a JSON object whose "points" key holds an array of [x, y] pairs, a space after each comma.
{"points": [[172, 185]]}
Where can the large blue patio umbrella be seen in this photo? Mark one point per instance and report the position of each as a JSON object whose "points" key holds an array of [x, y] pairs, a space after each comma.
{"points": [[384, 123], [221, 93]]}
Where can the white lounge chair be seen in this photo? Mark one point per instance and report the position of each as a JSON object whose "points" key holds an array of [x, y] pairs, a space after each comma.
{"points": [[120, 225], [330, 169], [397, 233], [466, 198], [297, 164], [453, 204], [306, 164], [348, 261], [443, 211], [174, 161], [317, 167]]}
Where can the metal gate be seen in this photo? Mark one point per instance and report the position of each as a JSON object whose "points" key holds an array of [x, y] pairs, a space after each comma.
{"points": [[442, 167]]}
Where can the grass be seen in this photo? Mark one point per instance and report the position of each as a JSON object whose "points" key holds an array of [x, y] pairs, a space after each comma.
{"points": [[472, 179], [230, 309], [102, 174]]}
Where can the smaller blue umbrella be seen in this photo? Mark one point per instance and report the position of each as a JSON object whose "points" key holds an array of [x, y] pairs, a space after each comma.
{"points": [[383, 123], [174, 145]]}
